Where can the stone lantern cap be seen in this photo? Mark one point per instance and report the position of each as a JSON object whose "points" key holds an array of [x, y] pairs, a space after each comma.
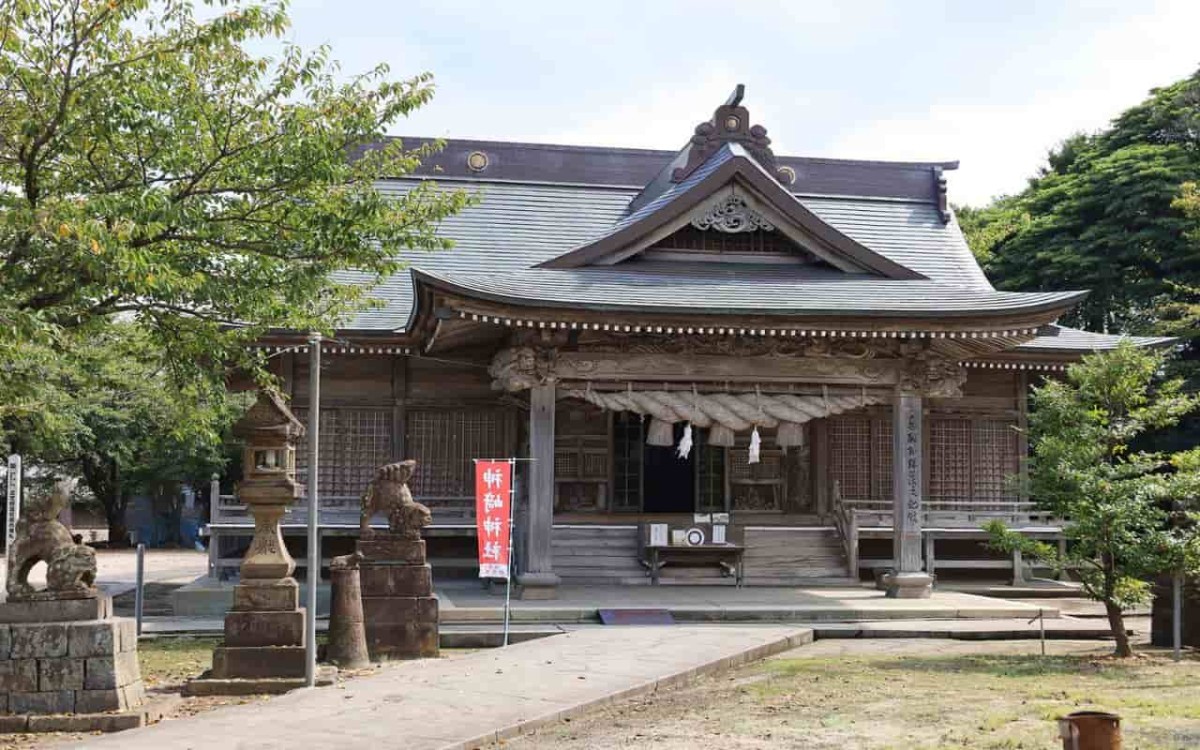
{"points": [[268, 422]]}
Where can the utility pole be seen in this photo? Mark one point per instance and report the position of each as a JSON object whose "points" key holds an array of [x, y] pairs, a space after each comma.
{"points": [[314, 551]]}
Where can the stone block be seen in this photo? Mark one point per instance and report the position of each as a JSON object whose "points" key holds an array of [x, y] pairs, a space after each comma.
{"points": [[392, 549], [402, 641], [109, 672], [399, 609], [5, 641], [135, 693], [98, 701], [85, 723], [395, 580], [13, 724], [38, 640], [60, 674], [272, 596], [258, 661], [57, 610], [265, 628], [94, 638], [127, 637], [18, 675], [49, 702]]}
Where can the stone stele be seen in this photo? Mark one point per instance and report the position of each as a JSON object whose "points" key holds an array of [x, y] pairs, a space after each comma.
{"points": [[61, 650]]}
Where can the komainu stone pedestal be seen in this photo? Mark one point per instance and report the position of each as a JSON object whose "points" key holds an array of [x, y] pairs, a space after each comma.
{"points": [[66, 656], [399, 608]]}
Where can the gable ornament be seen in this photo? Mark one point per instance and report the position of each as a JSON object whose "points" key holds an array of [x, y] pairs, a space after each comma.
{"points": [[731, 215]]}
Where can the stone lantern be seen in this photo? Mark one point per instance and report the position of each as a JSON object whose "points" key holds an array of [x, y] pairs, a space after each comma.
{"points": [[264, 632], [268, 485]]}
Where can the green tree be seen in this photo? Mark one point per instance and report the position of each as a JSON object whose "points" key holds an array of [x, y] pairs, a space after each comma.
{"points": [[111, 414], [152, 165], [1104, 215], [1117, 501], [170, 192]]}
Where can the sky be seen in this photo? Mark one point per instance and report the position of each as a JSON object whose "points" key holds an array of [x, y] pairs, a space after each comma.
{"points": [[993, 84]]}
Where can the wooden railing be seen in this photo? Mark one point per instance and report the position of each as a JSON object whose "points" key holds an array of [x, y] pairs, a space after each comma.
{"points": [[845, 517], [340, 510], [947, 514], [944, 518]]}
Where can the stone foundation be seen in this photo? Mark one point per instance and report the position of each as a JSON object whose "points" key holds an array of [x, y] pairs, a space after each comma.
{"points": [[399, 610], [264, 634], [52, 662]]}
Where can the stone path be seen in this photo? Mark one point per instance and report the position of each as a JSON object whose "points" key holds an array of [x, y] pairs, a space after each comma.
{"points": [[465, 603], [970, 630], [463, 701]]}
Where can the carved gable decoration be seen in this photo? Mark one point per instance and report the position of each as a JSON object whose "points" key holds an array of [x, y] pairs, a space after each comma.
{"points": [[745, 245], [731, 214], [730, 124]]}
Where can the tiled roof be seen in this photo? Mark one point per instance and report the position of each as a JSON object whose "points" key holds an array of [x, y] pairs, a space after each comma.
{"points": [[716, 288], [1060, 338], [515, 226], [911, 234]]}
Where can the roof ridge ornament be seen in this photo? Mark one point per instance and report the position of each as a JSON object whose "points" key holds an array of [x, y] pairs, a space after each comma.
{"points": [[730, 123]]}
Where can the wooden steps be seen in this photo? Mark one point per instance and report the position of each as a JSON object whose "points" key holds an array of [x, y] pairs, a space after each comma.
{"points": [[598, 555], [775, 556], [796, 556]]}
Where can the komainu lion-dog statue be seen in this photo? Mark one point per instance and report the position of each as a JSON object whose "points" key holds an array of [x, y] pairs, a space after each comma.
{"points": [[70, 567], [388, 493]]}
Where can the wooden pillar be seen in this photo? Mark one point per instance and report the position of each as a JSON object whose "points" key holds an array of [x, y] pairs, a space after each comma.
{"points": [[537, 579], [819, 462], [908, 579]]}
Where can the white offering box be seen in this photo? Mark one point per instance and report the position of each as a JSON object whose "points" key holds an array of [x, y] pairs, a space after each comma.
{"points": [[658, 535]]}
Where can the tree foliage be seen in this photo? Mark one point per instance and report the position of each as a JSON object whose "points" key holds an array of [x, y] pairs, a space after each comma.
{"points": [[112, 414], [153, 166], [1118, 501], [166, 196], [1105, 215]]}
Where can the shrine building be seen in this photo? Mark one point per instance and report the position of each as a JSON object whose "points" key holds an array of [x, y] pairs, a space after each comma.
{"points": [[816, 329]]}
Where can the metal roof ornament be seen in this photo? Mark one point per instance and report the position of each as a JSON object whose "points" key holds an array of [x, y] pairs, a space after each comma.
{"points": [[730, 123]]}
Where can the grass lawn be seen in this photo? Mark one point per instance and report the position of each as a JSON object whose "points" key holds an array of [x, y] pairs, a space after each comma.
{"points": [[911, 694], [171, 661]]}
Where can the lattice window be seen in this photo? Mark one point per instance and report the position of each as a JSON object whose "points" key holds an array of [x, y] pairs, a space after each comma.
{"points": [[950, 460], [882, 457], [860, 456], [628, 439], [444, 443], [354, 442], [711, 470], [997, 460], [757, 486]]}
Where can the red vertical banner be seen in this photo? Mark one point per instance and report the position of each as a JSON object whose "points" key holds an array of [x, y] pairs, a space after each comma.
{"points": [[493, 505]]}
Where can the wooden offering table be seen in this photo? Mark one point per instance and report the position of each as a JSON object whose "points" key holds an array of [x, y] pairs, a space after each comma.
{"points": [[719, 554]]}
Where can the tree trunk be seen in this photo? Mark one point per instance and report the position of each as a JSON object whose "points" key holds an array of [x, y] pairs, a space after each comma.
{"points": [[1116, 621], [103, 477]]}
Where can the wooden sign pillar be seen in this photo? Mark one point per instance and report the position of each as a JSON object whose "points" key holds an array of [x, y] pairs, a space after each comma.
{"points": [[907, 579]]}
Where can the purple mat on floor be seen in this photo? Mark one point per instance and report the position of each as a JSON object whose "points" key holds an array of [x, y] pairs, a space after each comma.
{"points": [[636, 617]]}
